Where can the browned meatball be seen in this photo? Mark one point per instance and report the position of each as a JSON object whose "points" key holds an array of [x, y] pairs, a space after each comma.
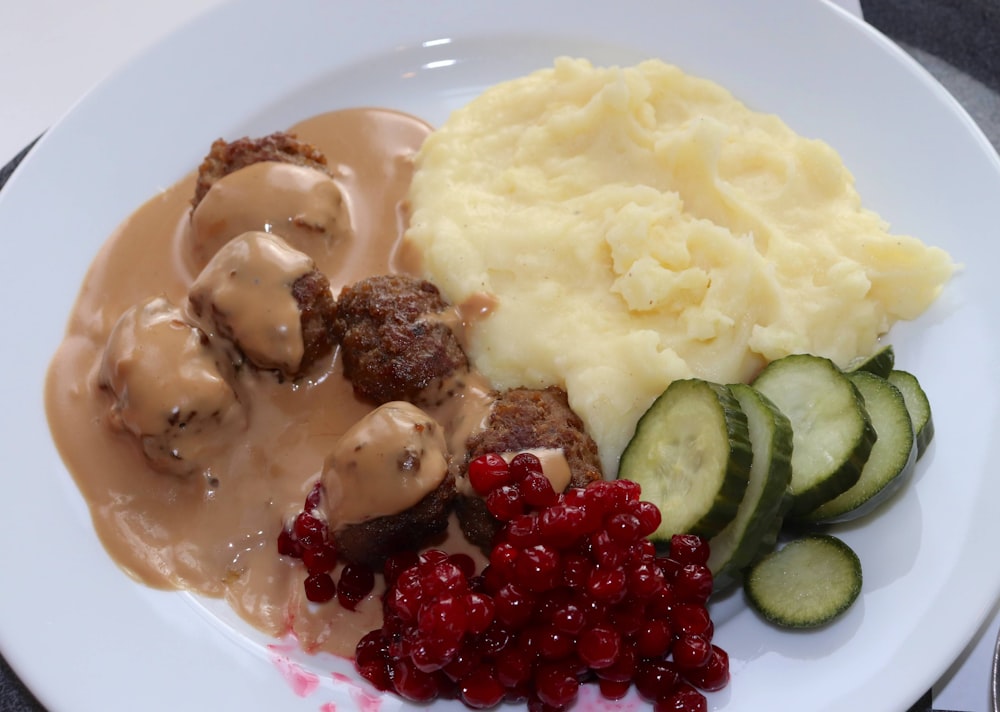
{"points": [[525, 419], [227, 157], [373, 541], [388, 483], [396, 343], [316, 307]]}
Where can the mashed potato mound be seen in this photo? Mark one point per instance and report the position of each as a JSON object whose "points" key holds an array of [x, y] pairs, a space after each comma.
{"points": [[638, 225]]}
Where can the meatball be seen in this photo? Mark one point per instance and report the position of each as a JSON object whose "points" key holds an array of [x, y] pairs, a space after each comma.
{"points": [[269, 301], [388, 484], [227, 157], [373, 541], [316, 308], [274, 184], [396, 340], [526, 419], [169, 390]]}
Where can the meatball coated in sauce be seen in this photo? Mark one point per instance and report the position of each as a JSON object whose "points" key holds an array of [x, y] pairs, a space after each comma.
{"points": [[227, 157], [396, 342], [170, 391], [388, 484], [274, 184], [527, 419], [269, 301]]}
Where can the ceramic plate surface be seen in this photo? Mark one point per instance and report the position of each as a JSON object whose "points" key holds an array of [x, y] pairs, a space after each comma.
{"points": [[84, 636]]}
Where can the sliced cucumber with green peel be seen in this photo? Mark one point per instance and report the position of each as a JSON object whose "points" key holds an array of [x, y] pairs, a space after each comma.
{"points": [[691, 455], [832, 434], [891, 459], [918, 405], [762, 508], [880, 363], [805, 584]]}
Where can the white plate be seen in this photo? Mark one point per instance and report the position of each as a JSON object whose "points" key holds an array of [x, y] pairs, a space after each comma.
{"points": [[83, 636]]}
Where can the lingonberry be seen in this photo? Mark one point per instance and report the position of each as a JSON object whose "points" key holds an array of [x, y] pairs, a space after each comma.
{"points": [[644, 580], [412, 683], [513, 605], [466, 659], [576, 570], [623, 668], [288, 545], [320, 559], [521, 531], [656, 678], [554, 644], [689, 549], [623, 527], [314, 499], [691, 619], [371, 648], [523, 464], [443, 619], [556, 684], [514, 666], [654, 639], [693, 584], [684, 698], [398, 563], [613, 689], [320, 587], [479, 612], [481, 689], [573, 591], [505, 502], [487, 472], [606, 551], [502, 558], [607, 584], [465, 563], [537, 490], [713, 675], [378, 673], [569, 618], [493, 639], [356, 582], [648, 514], [309, 530], [599, 646], [537, 568], [430, 557], [691, 652], [627, 616]]}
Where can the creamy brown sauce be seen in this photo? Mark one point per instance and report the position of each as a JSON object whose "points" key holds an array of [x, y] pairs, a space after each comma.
{"points": [[214, 531]]}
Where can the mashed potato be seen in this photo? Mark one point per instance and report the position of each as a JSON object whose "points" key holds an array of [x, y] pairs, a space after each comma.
{"points": [[639, 225]]}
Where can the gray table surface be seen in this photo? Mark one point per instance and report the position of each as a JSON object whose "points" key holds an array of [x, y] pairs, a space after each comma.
{"points": [[957, 41]]}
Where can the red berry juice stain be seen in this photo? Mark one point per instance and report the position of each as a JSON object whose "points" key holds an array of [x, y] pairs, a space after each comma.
{"points": [[302, 682], [591, 700], [364, 700]]}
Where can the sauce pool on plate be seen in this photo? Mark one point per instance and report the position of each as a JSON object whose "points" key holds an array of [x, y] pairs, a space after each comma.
{"points": [[213, 532]]}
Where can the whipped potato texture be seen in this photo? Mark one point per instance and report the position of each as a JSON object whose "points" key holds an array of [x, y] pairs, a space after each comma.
{"points": [[639, 225]]}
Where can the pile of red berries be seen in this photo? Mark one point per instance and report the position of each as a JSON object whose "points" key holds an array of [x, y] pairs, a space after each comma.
{"points": [[308, 537], [573, 592]]}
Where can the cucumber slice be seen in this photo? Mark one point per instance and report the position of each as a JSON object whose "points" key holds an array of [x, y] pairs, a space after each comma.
{"points": [[918, 405], [691, 455], [805, 584], [891, 459], [761, 511], [880, 363], [832, 434]]}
